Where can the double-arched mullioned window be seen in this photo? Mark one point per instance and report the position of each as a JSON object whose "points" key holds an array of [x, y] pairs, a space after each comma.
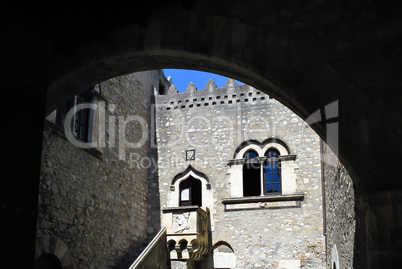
{"points": [[260, 169], [261, 175]]}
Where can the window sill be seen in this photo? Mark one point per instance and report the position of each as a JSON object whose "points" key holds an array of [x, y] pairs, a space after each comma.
{"points": [[263, 202], [181, 209]]}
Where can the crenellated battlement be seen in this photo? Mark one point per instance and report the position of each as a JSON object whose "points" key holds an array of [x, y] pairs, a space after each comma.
{"points": [[231, 94]]}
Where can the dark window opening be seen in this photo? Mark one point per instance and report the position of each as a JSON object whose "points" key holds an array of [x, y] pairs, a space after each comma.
{"points": [[251, 174], [190, 192], [161, 89], [272, 173], [80, 121]]}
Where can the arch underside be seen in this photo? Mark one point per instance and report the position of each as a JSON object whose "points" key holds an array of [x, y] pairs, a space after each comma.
{"points": [[274, 62], [306, 55]]}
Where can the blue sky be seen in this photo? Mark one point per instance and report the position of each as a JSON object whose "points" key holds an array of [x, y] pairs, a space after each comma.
{"points": [[181, 78]]}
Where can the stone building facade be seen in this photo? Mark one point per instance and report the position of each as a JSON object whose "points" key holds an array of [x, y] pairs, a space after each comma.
{"points": [[204, 138], [154, 158], [93, 203]]}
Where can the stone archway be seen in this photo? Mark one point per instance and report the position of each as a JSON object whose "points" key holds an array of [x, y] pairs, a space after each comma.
{"points": [[306, 55], [283, 67], [270, 61]]}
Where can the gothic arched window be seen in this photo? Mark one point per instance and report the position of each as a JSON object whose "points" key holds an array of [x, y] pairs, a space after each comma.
{"points": [[262, 169], [272, 172]]}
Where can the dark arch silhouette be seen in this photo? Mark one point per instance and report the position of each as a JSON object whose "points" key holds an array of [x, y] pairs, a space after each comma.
{"points": [[260, 144], [222, 243], [186, 172], [48, 261], [301, 59]]}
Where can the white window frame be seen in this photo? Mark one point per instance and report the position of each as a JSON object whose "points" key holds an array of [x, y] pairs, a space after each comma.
{"points": [[288, 167]]}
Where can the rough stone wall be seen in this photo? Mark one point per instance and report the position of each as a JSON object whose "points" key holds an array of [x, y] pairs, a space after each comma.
{"points": [[93, 207], [340, 211], [215, 122]]}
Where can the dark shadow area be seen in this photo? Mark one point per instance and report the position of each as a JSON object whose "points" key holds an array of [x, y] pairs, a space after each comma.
{"points": [[48, 261]]}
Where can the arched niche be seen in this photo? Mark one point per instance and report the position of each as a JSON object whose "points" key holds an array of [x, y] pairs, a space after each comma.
{"points": [[222, 256]]}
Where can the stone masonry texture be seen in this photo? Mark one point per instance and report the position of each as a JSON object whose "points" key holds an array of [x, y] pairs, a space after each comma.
{"points": [[340, 210], [98, 209], [95, 205], [214, 122]]}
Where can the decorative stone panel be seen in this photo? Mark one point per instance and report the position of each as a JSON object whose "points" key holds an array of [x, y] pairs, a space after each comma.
{"points": [[187, 232]]}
